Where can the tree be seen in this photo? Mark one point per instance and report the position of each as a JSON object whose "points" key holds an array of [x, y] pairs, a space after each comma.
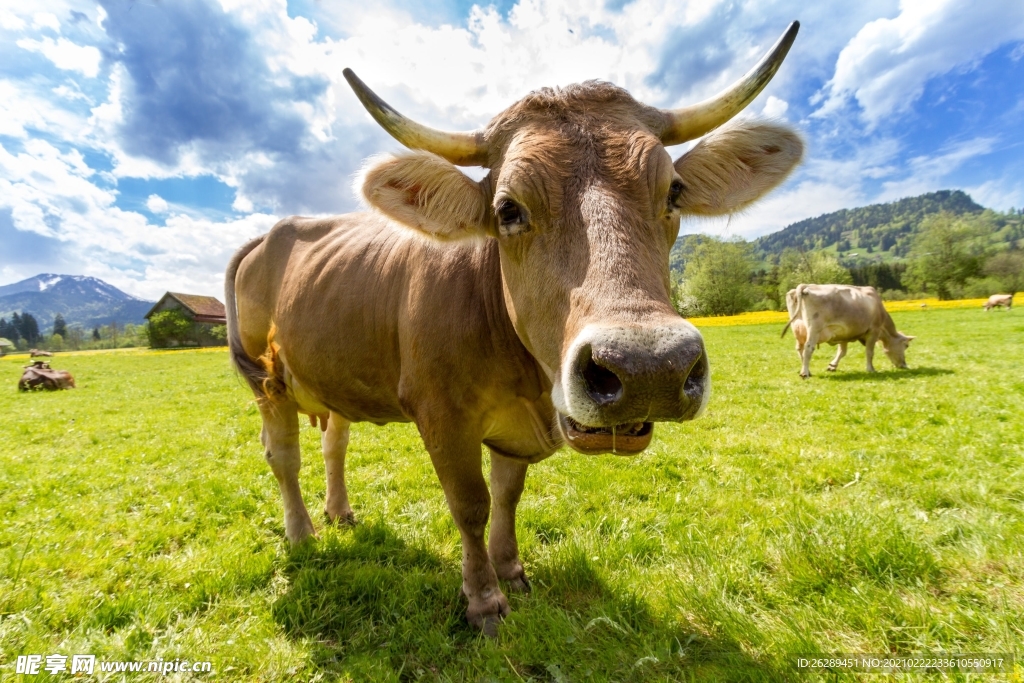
{"points": [[59, 326], [716, 280], [9, 331], [168, 326], [28, 327], [75, 337], [56, 342], [810, 267], [1008, 268], [941, 258], [96, 333]]}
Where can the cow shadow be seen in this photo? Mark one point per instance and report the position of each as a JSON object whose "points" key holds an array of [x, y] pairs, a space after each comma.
{"points": [[372, 606], [893, 375]]}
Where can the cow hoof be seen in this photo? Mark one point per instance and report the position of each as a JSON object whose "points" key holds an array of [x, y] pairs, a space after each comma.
{"points": [[519, 584], [486, 613], [831, 368], [803, 376], [300, 533], [344, 519]]}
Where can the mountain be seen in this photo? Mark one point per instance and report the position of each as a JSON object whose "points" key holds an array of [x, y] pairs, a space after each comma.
{"points": [[85, 301], [885, 230], [875, 234]]}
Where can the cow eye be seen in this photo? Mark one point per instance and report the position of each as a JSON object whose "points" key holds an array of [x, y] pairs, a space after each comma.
{"points": [[511, 220], [675, 190]]}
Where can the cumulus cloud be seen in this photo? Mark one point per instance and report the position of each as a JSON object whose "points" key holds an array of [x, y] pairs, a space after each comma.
{"points": [[886, 65], [252, 95], [156, 204], [65, 54]]}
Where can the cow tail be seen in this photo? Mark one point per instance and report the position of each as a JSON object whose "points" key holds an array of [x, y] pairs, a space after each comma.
{"points": [[799, 309], [260, 374], [787, 326]]}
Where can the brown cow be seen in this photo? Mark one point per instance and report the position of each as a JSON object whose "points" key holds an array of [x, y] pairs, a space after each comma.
{"points": [[39, 375], [839, 314], [35, 353], [999, 300], [524, 311]]}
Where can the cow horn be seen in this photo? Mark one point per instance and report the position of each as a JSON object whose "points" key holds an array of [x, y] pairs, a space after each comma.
{"points": [[461, 149], [689, 123]]}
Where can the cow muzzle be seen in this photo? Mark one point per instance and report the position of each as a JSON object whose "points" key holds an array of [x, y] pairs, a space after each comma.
{"points": [[617, 381]]}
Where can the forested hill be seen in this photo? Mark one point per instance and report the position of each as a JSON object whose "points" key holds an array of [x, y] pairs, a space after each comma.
{"points": [[872, 229]]}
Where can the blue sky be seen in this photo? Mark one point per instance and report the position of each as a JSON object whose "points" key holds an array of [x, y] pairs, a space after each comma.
{"points": [[143, 141]]}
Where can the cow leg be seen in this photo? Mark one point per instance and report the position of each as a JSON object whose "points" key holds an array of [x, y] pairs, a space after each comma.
{"points": [[507, 479], [839, 356], [809, 346], [869, 351], [334, 441], [459, 467], [280, 437]]}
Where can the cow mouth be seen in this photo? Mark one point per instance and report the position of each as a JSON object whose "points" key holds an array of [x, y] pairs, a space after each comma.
{"points": [[625, 439]]}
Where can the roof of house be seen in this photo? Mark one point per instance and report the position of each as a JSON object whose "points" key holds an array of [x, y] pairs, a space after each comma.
{"points": [[5, 342], [200, 306]]}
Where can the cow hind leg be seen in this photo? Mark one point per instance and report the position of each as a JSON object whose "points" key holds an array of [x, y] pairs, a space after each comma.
{"points": [[507, 479], [334, 440], [809, 346], [280, 437], [458, 464], [839, 356]]}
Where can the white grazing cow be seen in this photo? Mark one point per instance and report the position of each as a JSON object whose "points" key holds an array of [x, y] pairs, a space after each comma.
{"points": [[839, 314]]}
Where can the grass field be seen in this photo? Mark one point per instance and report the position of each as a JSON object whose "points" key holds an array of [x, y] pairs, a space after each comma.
{"points": [[845, 513]]}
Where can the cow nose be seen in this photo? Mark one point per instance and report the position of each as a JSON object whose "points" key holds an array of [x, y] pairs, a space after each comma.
{"points": [[623, 375], [602, 384]]}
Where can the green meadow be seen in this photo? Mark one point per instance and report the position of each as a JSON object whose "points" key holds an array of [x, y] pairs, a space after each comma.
{"points": [[848, 513]]}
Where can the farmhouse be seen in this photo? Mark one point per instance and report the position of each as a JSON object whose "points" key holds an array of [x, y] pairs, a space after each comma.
{"points": [[186, 320], [5, 346]]}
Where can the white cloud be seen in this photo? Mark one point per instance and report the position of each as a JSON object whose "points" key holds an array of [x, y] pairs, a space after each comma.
{"points": [[46, 20], [156, 204], [775, 108], [886, 65], [65, 54], [929, 173]]}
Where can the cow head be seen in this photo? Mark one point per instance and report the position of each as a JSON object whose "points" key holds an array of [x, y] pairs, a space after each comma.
{"points": [[585, 203], [895, 346]]}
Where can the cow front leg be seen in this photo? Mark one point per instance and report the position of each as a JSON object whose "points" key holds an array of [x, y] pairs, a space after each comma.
{"points": [[459, 468], [839, 356], [280, 437], [334, 441], [507, 479], [869, 351]]}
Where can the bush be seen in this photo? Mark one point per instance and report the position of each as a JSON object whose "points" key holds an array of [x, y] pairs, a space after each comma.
{"points": [[717, 279], [172, 327]]}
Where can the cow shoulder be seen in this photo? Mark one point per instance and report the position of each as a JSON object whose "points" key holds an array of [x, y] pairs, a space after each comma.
{"points": [[736, 165]]}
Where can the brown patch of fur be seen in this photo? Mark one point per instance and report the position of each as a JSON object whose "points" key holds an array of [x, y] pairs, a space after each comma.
{"points": [[273, 384]]}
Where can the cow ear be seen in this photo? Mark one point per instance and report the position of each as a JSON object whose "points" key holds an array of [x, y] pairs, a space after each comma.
{"points": [[736, 165], [427, 193]]}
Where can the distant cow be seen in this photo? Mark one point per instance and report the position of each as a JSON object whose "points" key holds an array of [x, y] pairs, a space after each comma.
{"points": [[997, 300], [33, 353], [838, 314], [39, 375]]}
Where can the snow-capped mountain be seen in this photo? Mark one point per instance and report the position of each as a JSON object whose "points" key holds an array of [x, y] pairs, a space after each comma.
{"points": [[85, 301]]}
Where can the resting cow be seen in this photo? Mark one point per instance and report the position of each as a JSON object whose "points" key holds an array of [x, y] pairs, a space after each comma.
{"points": [[35, 353], [999, 300], [525, 311], [39, 375], [839, 314]]}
